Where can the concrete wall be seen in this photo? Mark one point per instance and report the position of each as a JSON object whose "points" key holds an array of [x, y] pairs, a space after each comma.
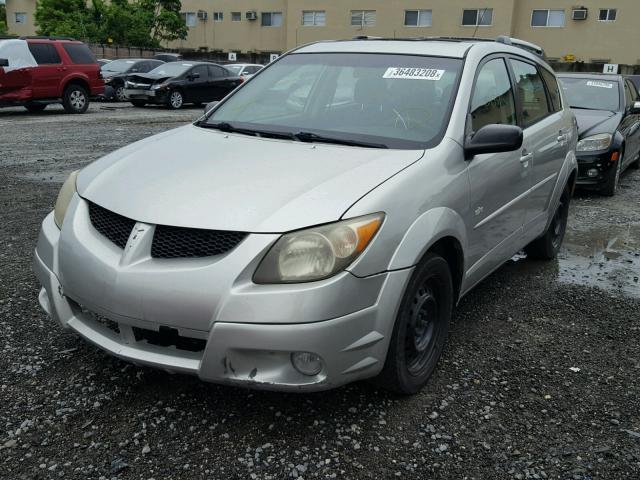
{"points": [[21, 6]]}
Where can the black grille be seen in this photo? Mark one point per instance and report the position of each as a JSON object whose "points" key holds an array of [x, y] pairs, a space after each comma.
{"points": [[113, 226], [169, 337], [176, 242]]}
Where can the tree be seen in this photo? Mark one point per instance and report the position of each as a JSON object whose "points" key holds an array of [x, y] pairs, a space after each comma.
{"points": [[3, 19], [140, 23]]}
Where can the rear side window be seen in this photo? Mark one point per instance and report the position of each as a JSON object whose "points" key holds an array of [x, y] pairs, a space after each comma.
{"points": [[79, 53], [553, 89], [492, 100], [530, 92], [44, 53]]}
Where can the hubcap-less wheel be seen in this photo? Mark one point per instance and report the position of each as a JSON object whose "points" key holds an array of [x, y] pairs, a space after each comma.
{"points": [[77, 100], [120, 96], [175, 100], [559, 222], [617, 177], [419, 341]]}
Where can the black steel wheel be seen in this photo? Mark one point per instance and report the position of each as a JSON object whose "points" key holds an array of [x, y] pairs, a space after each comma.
{"points": [[548, 245]]}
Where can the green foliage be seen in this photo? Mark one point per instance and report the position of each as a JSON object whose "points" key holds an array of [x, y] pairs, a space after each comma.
{"points": [[3, 20], [140, 23]]}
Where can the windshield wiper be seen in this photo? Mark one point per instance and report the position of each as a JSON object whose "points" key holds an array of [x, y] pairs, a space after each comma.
{"points": [[227, 127], [314, 137]]}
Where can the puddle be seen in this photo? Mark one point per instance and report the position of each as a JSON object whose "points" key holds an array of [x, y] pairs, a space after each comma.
{"points": [[607, 257]]}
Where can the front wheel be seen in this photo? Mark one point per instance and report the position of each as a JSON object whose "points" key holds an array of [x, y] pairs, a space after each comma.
{"points": [[120, 94], [421, 327], [548, 245], [611, 187], [75, 99], [175, 100]]}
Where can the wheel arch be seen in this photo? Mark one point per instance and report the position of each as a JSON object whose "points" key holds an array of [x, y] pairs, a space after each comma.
{"points": [[82, 82]]}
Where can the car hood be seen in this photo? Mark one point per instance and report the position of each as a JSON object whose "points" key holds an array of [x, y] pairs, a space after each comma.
{"points": [[591, 122], [148, 77], [192, 177]]}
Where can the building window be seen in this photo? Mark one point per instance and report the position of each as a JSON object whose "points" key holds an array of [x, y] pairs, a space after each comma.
{"points": [[417, 18], [236, 16], [190, 19], [363, 18], [271, 19], [482, 17], [218, 16], [21, 18], [314, 18], [608, 14], [547, 18]]}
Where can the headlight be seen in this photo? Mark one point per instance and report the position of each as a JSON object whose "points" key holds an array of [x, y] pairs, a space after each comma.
{"points": [[317, 253], [602, 141], [158, 86], [64, 198]]}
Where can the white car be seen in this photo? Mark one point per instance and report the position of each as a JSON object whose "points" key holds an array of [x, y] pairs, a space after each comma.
{"points": [[244, 70]]}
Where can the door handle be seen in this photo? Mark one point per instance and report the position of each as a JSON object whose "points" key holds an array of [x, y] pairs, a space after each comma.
{"points": [[526, 157]]}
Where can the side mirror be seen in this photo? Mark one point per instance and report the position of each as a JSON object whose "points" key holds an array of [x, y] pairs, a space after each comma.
{"points": [[4, 62], [194, 76], [494, 139], [635, 108], [210, 106]]}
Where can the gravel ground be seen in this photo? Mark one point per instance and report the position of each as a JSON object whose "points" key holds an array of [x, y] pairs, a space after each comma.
{"points": [[541, 378]]}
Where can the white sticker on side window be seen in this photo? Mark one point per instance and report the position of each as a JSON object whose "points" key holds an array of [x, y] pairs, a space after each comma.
{"points": [[410, 73], [594, 83]]}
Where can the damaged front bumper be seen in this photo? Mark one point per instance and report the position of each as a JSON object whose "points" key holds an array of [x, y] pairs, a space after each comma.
{"points": [[231, 350]]}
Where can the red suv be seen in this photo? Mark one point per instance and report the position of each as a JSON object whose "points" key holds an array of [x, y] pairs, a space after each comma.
{"points": [[37, 71]]}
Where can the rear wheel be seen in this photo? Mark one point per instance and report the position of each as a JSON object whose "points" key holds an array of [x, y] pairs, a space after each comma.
{"points": [[421, 327], [175, 100], [138, 103], [611, 187], [547, 246], [35, 107], [75, 99]]}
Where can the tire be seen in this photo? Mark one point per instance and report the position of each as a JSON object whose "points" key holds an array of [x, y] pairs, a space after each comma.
{"points": [[611, 186], [119, 94], [421, 328], [138, 103], [35, 107], [75, 99], [548, 245], [175, 100]]}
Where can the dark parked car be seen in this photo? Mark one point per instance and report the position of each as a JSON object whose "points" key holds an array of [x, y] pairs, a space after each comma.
{"points": [[607, 108], [176, 83], [115, 73], [636, 80]]}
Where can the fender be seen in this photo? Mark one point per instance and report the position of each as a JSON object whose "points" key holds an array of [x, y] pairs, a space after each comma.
{"points": [[83, 77], [427, 229]]}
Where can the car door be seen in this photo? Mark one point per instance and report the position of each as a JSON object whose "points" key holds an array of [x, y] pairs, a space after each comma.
{"points": [[630, 125], [223, 82], [197, 84], [48, 75], [545, 139], [498, 182]]}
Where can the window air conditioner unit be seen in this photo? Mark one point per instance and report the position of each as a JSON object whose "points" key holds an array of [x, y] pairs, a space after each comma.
{"points": [[202, 15], [251, 15], [579, 14]]}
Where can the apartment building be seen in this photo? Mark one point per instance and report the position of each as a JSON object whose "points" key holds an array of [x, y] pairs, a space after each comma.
{"points": [[588, 30]]}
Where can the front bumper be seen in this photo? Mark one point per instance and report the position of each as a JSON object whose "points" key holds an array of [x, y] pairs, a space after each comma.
{"points": [[149, 96], [255, 350], [599, 163]]}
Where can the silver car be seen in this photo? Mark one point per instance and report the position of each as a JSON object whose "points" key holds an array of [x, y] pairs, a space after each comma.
{"points": [[306, 237]]}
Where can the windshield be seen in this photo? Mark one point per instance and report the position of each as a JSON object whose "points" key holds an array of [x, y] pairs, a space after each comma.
{"points": [[591, 94], [171, 69], [118, 66], [235, 69], [399, 101]]}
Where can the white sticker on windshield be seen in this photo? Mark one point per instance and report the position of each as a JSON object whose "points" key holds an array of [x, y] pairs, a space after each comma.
{"points": [[594, 83], [413, 73]]}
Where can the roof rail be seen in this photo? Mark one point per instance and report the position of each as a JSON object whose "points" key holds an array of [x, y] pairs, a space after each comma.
{"points": [[45, 37]]}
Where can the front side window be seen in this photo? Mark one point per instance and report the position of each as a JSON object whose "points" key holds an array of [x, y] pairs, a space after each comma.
{"points": [[553, 89], [417, 18], [314, 18], [271, 19], [201, 72], [399, 101], [608, 14], [482, 17], [363, 18], [79, 53], [547, 18], [20, 18], [493, 101], [44, 54], [218, 16], [190, 18], [591, 93], [531, 93]]}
